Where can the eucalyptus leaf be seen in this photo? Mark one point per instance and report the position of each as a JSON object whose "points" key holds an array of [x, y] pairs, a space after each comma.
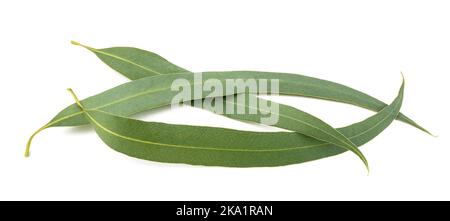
{"points": [[225, 147], [135, 63], [152, 92]]}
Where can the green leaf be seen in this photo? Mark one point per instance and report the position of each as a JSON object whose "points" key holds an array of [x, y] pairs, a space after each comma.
{"points": [[151, 92], [225, 147], [135, 63]]}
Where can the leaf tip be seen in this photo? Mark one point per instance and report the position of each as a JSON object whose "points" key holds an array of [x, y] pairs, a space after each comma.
{"points": [[435, 136], [362, 157], [75, 43], [428, 132], [414, 123], [366, 164]]}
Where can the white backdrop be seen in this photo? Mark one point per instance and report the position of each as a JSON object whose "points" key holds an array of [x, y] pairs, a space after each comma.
{"points": [[362, 44]]}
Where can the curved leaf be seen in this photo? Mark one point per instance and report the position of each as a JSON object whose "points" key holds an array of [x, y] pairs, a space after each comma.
{"points": [[135, 63], [226, 147]]}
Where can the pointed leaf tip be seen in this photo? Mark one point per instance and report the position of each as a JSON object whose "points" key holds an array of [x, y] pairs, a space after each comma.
{"points": [[75, 43]]}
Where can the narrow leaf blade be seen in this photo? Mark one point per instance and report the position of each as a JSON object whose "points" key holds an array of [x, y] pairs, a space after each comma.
{"points": [[317, 88], [225, 147]]}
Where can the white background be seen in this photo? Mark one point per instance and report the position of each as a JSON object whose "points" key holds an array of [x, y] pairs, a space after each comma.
{"points": [[362, 44]]}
